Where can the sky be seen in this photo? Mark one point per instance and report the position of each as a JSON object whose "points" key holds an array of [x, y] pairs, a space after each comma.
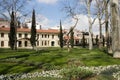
{"points": [[49, 13]]}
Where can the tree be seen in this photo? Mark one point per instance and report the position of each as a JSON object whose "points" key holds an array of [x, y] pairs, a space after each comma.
{"points": [[100, 8], [107, 34], [83, 40], [12, 34], [8, 6], [61, 35], [73, 10], [33, 30], [70, 9], [91, 22], [96, 40], [115, 28], [72, 38]]}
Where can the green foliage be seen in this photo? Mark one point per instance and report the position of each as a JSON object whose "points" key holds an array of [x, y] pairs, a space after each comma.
{"points": [[51, 58], [33, 30], [76, 73], [61, 36], [97, 40], [72, 38], [12, 34], [43, 78], [83, 41]]}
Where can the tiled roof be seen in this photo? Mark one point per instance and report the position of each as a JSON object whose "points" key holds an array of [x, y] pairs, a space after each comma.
{"points": [[28, 30], [1, 19], [67, 37]]}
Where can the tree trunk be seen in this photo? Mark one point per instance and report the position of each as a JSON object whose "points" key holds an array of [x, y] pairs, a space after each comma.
{"points": [[90, 38], [115, 29], [68, 43], [100, 38], [107, 42], [90, 26]]}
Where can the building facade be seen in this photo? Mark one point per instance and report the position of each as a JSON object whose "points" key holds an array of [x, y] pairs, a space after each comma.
{"points": [[45, 38]]}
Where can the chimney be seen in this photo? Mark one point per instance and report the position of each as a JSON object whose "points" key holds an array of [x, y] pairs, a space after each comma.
{"points": [[40, 27]]}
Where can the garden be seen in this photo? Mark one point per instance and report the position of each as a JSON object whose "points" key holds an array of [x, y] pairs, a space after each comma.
{"points": [[58, 64]]}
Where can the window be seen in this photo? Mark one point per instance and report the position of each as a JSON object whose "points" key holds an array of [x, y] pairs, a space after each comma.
{"points": [[42, 35], [37, 43], [19, 35], [2, 43], [52, 36], [45, 43], [48, 36], [2, 34], [26, 43], [52, 43], [26, 35], [19, 43], [45, 35]]}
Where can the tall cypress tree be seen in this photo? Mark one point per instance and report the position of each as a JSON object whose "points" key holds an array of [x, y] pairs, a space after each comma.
{"points": [[72, 38], [12, 34], [83, 40], [61, 35], [33, 31]]}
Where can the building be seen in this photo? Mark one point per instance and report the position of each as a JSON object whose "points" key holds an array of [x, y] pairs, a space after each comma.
{"points": [[45, 37]]}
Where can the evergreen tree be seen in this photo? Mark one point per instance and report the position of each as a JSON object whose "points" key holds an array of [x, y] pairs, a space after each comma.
{"points": [[97, 40], [61, 36], [33, 31], [12, 34], [72, 38], [83, 40]]}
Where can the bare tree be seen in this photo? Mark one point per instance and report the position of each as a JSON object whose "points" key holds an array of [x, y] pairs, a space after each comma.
{"points": [[74, 10], [7, 6], [70, 9], [91, 22], [107, 16]]}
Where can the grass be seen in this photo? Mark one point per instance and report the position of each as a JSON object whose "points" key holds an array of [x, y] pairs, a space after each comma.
{"points": [[25, 60], [43, 78]]}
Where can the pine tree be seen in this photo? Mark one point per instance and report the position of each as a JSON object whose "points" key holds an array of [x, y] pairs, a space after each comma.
{"points": [[61, 35], [33, 31], [83, 40], [12, 34], [72, 38]]}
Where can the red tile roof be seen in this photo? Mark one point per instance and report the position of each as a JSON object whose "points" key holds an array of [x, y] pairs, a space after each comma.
{"points": [[28, 30], [1, 19], [68, 37]]}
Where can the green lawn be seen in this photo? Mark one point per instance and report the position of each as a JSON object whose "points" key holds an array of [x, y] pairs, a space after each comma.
{"points": [[25, 60]]}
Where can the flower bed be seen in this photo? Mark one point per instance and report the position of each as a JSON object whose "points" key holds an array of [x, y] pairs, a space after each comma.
{"points": [[114, 71]]}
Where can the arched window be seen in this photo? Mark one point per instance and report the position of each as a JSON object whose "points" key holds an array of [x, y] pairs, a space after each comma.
{"points": [[37, 43], [2, 43], [45, 43], [2, 34], [19, 43], [26, 43], [52, 43]]}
